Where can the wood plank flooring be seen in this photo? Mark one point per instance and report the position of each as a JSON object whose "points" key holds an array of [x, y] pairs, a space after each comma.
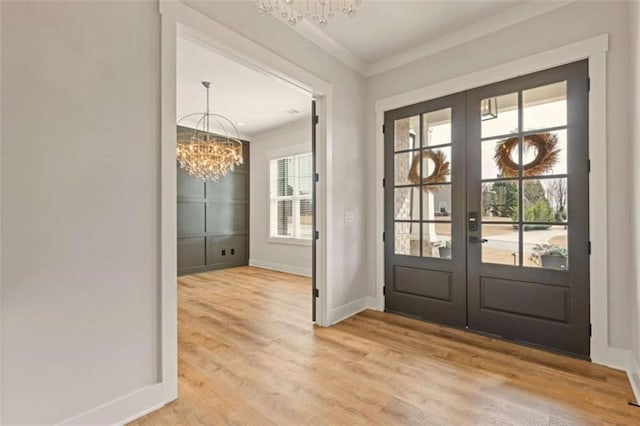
{"points": [[248, 354]]}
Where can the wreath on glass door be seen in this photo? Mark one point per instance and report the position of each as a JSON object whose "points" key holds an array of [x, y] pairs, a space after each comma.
{"points": [[440, 170], [547, 155]]}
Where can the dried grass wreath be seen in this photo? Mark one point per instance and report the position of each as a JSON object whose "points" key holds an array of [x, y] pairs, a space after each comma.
{"points": [[547, 155], [440, 170]]}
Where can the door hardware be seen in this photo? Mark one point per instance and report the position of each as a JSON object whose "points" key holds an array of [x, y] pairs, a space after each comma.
{"points": [[474, 239], [473, 221]]}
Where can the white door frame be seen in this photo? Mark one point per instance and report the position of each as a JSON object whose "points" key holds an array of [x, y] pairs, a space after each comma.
{"points": [[180, 20], [593, 49]]}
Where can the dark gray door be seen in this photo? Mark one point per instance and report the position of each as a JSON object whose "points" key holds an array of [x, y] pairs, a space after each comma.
{"points": [[528, 185], [425, 259], [513, 210]]}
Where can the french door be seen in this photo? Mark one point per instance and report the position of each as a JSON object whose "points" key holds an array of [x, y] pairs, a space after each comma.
{"points": [[486, 217]]}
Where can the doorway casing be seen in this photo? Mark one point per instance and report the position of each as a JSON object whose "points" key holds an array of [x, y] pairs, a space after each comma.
{"points": [[594, 49], [179, 20]]}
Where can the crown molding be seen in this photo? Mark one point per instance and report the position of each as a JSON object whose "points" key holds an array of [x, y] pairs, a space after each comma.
{"points": [[479, 29], [318, 37]]}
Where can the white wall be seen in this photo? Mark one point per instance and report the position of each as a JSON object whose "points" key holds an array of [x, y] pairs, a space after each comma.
{"points": [[80, 205], [634, 118], [575, 22], [262, 251], [348, 266]]}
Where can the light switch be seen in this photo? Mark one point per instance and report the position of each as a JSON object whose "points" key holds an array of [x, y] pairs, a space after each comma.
{"points": [[349, 216]]}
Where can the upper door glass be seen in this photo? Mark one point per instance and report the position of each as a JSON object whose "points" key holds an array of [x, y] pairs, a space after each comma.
{"points": [[499, 115], [545, 107], [524, 149], [436, 126], [407, 131]]}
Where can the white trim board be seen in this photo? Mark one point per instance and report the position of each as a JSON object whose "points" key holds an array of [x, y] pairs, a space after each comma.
{"points": [[455, 38], [124, 409], [350, 309], [280, 267], [594, 49], [634, 376]]}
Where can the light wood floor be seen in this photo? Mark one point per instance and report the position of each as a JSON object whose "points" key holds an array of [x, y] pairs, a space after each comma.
{"points": [[248, 354]]}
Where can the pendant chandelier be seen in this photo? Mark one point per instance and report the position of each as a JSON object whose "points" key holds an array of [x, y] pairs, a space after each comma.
{"points": [[209, 155], [318, 11]]}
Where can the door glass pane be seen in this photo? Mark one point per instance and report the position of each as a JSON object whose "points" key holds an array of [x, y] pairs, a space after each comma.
{"points": [[402, 165], [545, 154], [500, 201], [436, 203], [544, 200], [500, 158], [407, 203], [437, 127], [407, 238], [545, 106], [547, 248], [436, 165], [502, 245], [436, 240], [406, 133], [499, 115]]}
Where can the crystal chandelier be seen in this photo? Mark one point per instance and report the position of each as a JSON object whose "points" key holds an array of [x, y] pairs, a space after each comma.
{"points": [[318, 11], [207, 155]]}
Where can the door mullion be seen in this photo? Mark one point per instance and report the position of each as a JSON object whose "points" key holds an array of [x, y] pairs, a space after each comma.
{"points": [[420, 152], [520, 184]]}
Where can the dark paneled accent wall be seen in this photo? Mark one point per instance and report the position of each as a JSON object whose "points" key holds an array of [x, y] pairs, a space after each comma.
{"points": [[213, 220]]}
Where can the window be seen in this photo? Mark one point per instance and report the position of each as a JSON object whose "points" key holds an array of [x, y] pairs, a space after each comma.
{"points": [[291, 199]]}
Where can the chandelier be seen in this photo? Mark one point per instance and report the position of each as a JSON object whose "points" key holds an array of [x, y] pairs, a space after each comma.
{"points": [[318, 11], [207, 155]]}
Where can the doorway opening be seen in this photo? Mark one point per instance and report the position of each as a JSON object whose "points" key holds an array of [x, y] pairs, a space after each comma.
{"points": [[486, 206], [261, 214]]}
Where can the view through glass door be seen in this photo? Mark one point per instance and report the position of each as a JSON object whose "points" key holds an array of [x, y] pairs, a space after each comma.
{"points": [[516, 264]]}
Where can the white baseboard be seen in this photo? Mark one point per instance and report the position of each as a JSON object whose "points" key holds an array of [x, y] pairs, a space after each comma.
{"points": [[350, 309], [124, 409], [291, 269], [612, 357], [634, 376]]}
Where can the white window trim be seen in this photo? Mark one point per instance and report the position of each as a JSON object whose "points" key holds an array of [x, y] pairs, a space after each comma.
{"points": [[290, 151]]}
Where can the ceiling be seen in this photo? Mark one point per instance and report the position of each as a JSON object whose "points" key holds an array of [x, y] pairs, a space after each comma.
{"points": [[259, 101], [386, 34], [384, 28]]}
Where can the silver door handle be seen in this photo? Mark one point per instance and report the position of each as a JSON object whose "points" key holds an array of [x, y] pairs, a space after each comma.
{"points": [[476, 240]]}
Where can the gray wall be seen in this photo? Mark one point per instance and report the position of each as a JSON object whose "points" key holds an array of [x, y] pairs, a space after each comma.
{"points": [[80, 205], [568, 24], [213, 219]]}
